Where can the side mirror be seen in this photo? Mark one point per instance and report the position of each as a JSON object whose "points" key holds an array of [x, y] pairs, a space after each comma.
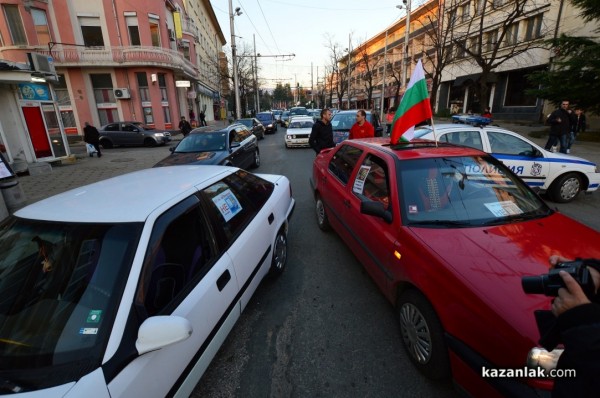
{"points": [[160, 331], [377, 209], [172, 148]]}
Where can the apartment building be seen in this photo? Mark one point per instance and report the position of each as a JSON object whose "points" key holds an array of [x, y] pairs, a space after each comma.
{"points": [[102, 61], [498, 41]]}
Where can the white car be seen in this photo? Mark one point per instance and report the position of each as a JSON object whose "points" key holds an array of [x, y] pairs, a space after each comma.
{"points": [[298, 131], [561, 176], [126, 287]]}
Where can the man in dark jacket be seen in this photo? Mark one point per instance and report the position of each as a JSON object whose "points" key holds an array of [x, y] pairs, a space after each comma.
{"points": [[92, 136], [321, 135], [578, 322], [184, 126], [560, 127]]}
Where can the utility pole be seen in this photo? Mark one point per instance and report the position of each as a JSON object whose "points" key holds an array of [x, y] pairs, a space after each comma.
{"points": [[256, 77], [349, 72], [312, 88], [406, 36], [236, 87]]}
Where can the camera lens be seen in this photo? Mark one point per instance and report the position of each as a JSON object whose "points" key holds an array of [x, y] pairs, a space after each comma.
{"points": [[533, 284]]}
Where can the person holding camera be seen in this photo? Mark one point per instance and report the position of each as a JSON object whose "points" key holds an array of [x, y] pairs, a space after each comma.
{"points": [[578, 323]]}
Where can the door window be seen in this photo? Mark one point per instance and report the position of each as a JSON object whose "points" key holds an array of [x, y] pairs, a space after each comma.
{"points": [[372, 180], [343, 162], [509, 144], [470, 138], [181, 250]]}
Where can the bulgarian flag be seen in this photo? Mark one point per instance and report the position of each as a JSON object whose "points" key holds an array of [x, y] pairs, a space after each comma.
{"points": [[414, 107]]}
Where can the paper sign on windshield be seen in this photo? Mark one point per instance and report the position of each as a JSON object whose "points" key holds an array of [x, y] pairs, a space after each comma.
{"points": [[503, 209]]}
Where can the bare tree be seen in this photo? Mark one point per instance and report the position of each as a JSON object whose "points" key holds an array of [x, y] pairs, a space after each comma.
{"points": [[339, 77], [366, 65], [485, 34]]}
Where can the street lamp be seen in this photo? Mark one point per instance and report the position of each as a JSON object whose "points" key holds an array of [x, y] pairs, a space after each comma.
{"points": [[384, 65], [233, 57], [406, 34]]}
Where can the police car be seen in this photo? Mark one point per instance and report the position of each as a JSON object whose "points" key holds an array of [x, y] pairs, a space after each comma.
{"points": [[559, 175]]}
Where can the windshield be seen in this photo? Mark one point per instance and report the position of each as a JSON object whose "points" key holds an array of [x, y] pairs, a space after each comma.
{"points": [[245, 122], [344, 121], [465, 191], [60, 286], [264, 117], [298, 111], [203, 142], [301, 124]]}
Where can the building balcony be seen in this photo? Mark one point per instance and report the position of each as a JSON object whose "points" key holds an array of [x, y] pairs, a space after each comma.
{"points": [[188, 26], [65, 56]]}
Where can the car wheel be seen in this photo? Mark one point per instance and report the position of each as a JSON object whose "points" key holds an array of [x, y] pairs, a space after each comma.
{"points": [[150, 142], [423, 335], [106, 144], [566, 188], [256, 162], [279, 254], [322, 220]]}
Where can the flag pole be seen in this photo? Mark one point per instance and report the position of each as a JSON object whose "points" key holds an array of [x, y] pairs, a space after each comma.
{"points": [[433, 130]]}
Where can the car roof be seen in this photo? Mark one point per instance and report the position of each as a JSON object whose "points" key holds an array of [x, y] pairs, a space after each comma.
{"points": [[126, 198], [303, 117], [415, 149], [215, 128], [344, 112]]}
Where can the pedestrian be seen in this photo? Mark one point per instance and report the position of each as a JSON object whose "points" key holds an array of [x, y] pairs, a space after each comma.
{"points": [[92, 136], [361, 128], [579, 125], [487, 113], [202, 117], [560, 127], [321, 135], [389, 119], [184, 126], [578, 323]]}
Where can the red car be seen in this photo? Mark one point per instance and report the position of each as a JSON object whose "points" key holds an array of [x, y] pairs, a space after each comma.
{"points": [[447, 232]]}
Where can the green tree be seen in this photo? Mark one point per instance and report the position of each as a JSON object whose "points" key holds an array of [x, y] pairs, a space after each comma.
{"points": [[574, 71]]}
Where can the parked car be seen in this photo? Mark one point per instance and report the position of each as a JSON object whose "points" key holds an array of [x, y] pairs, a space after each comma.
{"points": [[298, 111], [277, 113], [130, 134], [127, 287], [285, 116], [298, 131], [233, 145], [562, 176], [315, 114], [254, 125], [343, 121], [446, 233], [268, 120]]}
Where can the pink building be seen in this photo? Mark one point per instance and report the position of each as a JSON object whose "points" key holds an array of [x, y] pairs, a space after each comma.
{"points": [[145, 60]]}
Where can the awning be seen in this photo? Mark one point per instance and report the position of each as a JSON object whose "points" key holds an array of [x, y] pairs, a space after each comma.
{"points": [[471, 79]]}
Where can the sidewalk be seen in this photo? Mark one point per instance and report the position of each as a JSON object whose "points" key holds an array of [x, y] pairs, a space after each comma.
{"points": [[124, 160]]}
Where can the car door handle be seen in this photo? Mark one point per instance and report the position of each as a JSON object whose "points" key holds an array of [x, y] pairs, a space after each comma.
{"points": [[346, 203], [223, 280], [271, 218]]}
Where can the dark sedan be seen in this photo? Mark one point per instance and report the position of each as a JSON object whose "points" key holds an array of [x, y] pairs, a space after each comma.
{"points": [[254, 125], [131, 134], [233, 145]]}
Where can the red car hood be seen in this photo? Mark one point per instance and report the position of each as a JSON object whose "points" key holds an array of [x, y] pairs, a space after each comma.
{"points": [[492, 260]]}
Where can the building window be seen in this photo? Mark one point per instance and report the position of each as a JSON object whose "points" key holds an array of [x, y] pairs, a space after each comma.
{"points": [[460, 49], [516, 89], [64, 105], [155, 32], [142, 80], [133, 30], [41, 26], [185, 48], [105, 98], [491, 38], [479, 4], [512, 34], [91, 31], [534, 27], [15, 24], [162, 83], [465, 12]]}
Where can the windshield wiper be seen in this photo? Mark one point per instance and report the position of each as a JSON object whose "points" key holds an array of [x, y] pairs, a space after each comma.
{"points": [[442, 223], [513, 218]]}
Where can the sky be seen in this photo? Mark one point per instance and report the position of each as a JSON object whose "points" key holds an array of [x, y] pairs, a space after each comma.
{"points": [[300, 27]]}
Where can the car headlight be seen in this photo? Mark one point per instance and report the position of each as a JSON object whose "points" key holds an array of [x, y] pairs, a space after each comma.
{"points": [[159, 134], [270, 124], [539, 357]]}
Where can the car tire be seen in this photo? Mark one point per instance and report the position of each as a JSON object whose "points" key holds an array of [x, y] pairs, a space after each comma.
{"points": [[423, 335], [279, 259], [322, 220], [256, 162], [150, 142], [565, 188], [106, 144]]}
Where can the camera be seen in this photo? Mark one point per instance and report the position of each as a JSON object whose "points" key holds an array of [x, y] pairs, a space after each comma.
{"points": [[549, 283]]}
